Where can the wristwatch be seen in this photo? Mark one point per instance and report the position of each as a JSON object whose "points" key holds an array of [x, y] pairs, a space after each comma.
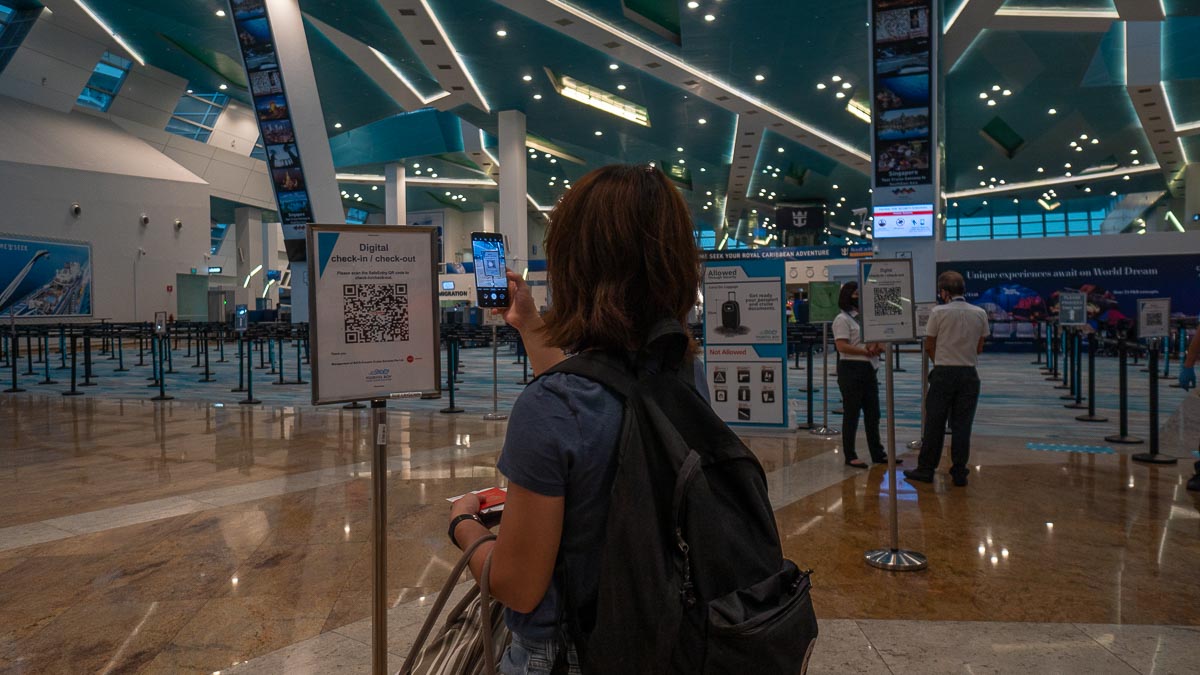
{"points": [[458, 519]]}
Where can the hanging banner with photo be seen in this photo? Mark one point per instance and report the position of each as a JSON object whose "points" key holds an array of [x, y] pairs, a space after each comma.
{"points": [[903, 102], [271, 107], [44, 277]]}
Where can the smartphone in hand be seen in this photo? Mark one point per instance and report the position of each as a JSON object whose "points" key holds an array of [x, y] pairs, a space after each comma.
{"points": [[491, 284]]}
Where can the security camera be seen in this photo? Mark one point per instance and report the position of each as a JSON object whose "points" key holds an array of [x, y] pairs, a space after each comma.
{"points": [[145, 219], [178, 224], [141, 251], [76, 209]]}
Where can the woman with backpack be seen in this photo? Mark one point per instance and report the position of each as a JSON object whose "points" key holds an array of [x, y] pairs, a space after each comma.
{"points": [[856, 380], [621, 257]]}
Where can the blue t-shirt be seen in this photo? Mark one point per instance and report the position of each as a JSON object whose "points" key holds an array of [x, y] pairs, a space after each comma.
{"points": [[561, 441]]}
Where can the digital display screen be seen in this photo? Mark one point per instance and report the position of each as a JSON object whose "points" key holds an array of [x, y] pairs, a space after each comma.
{"points": [[447, 285], [491, 284], [912, 220]]}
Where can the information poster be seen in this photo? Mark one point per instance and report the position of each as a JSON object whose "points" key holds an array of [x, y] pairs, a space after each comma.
{"points": [[374, 302], [745, 341], [823, 301], [1154, 316], [1072, 308], [924, 311], [902, 96], [885, 291], [44, 277]]}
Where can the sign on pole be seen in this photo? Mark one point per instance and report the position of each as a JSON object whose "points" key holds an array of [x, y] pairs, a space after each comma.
{"points": [[746, 341], [1072, 308], [241, 318], [924, 311], [1154, 317], [885, 300], [374, 312], [823, 301]]}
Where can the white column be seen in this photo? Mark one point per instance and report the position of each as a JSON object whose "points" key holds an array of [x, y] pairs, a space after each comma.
{"points": [[513, 214], [396, 210], [248, 230], [490, 214], [1191, 187]]}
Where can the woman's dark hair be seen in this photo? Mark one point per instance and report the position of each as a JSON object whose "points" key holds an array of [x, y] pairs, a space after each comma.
{"points": [[845, 301], [620, 256]]}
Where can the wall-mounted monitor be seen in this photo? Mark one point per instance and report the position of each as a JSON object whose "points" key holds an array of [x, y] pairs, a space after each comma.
{"points": [[906, 220]]}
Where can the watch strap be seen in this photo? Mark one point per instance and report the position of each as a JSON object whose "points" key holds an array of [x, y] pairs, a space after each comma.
{"points": [[458, 519]]}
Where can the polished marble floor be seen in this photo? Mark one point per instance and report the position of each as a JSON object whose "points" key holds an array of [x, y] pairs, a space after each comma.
{"points": [[190, 538]]}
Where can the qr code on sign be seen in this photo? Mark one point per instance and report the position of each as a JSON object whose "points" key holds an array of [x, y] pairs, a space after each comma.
{"points": [[1154, 319], [375, 312], [886, 301]]}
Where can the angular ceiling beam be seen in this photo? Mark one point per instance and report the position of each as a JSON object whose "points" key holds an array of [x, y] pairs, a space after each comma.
{"points": [[747, 138], [420, 27], [1140, 10], [1085, 22], [1143, 74], [964, 26], [624, 46], [372, 63]]}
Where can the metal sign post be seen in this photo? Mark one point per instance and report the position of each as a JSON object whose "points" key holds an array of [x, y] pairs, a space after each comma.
{"points": [[824, 429], [374, 336], [886, 291], [495, 415]]}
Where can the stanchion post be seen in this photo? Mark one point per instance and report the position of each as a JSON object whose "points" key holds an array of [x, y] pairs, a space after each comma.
{"points": [[451, 366], [916, 445], [1091, 415], [1123, 386], [379, 653], [207, 373], [249, 400], [1077, 373], [495, 415], [14, 347], [824, 429], [808, 393], [893, 558], [62, 348], [87, 360], [118, 345], [241, 368], [74, 369], [1153, 457], [46, 362], [29, 352]]}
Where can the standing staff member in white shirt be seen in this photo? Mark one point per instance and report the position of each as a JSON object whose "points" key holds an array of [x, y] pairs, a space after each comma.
{"points": [[953, 339], [857, 380]]}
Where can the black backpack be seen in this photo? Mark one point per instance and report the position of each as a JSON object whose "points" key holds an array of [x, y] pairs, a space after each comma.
{"points": [[692, 576]]}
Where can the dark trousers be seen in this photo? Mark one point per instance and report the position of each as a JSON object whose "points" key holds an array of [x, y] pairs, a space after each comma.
{"points": [[954, 395], [860, 393]]}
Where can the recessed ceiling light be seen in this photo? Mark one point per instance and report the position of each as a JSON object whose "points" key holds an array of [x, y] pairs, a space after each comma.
{"points": [[1113, 193], [599, 133], [337, 125], [991, 102], [221, 13], [527, 78], [1052, 111], [433, 173], [621, 87], [982, 183], [835, 186], [709, 17], [983, 94], [1079, 148], [1125, 177], [1068, 174], [537, 97], [846, 85], [192, 92], [980, 167], [679, 149], [553, 160], [702, 121], [1136, 162], [681, 161], [820, 85], [1132, 152], [1087, 189], [1074, 144], [836, 78], [502, 33], [1095, 141], [223, 87], [1067, 165], [416, 165], [693, 4], [613, 66], [1041, 170], [760, 77], [995, 87], [781, 149], [702, 169], [1083, 137], [1016, 201], [1006, 92], [840, 95]]}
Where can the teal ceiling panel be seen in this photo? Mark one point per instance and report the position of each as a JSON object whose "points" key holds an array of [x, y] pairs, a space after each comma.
{"points": [[414, 134]]}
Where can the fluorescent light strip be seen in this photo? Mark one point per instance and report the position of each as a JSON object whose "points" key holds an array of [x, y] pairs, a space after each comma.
{"points": [[583, 93], [267, 288], [1066, 180], [859, 110], [954, 17], [1175, 221], [100, 22], [1058, 13], [701, 75], [409, 180], [454, 55], [400, 76]]}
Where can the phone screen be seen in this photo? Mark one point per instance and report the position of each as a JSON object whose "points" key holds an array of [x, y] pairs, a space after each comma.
{"points": [[491, 285]]}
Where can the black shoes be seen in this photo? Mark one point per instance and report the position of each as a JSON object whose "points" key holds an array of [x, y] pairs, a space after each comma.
{"points": [[883, 460], [919, 475], [959, 477]]}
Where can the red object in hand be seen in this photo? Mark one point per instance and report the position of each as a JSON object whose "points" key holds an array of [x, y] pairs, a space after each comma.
{"points": [[491, 497]]}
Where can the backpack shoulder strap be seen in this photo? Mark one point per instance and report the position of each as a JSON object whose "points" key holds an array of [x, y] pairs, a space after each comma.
{"points": [[610, 370]]}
